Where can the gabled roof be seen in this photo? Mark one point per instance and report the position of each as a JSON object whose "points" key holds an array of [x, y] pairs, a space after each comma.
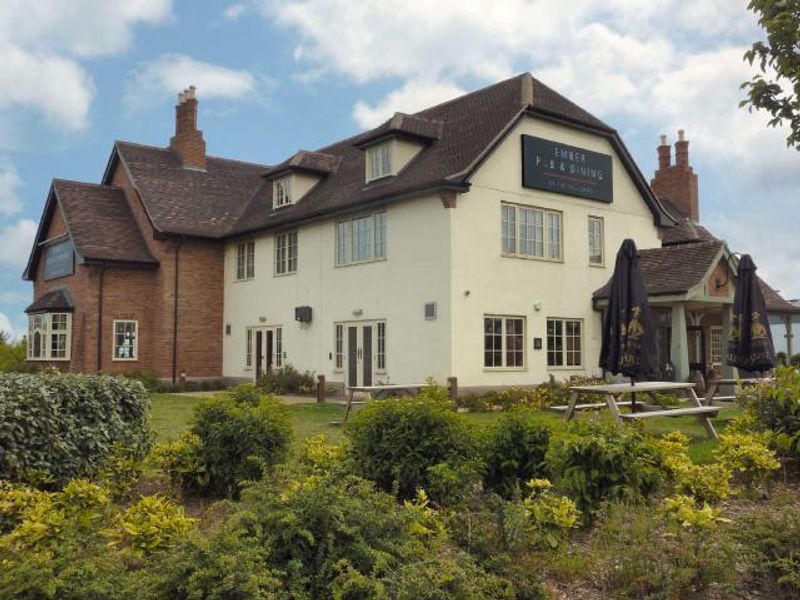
{"points": [[192, 202], [774, 301], [469, 127], [311, 162], [673, 269], [59, 299], [403, 125], [99, 221]]}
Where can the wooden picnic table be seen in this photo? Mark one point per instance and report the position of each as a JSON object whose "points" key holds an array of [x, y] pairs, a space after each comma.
{"points": [[612, 399], [377, 391], [714, 386]]}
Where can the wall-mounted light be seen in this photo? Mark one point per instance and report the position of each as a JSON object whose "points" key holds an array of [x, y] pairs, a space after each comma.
{"points": [[262, 319], [227, 328], [467, 293], [357, 312], [537, 306]]}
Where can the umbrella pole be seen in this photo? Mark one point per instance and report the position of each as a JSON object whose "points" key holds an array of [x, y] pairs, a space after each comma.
{"points": [[633, 396]]}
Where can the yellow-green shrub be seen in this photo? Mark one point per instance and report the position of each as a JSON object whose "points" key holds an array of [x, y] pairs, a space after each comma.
{"points": [[552, 516], [152, 524], [15, 500], [180, 460], [747, 456], [684, 511], [705, 483]]}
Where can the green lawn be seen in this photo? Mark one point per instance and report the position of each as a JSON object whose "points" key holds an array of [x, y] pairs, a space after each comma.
{"points": [[171, 413]]}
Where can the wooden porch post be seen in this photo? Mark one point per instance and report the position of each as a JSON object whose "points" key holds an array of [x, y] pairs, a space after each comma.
{"points": [[679, 345]]}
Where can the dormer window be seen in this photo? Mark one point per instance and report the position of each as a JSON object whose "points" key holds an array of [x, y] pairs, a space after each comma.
{"points": [[282, 191], [379, 161]]}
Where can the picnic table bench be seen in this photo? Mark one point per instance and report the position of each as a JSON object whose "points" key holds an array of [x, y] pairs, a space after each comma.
{"points": [[613, 392], [714, 386], [377, 391]]}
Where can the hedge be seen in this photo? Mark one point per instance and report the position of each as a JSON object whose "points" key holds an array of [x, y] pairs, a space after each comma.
{"points": [[55, 427]]}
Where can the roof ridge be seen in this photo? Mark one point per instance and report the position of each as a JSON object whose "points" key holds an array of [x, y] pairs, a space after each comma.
{"points": [[213, 157], [468, 94], [86, 183]]}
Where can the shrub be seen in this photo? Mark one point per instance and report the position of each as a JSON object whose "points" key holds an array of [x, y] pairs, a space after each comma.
{"points": [[15, 500], [63, 426], [394, 442], [594, 462], [119, 471], [774, 407], [13, 354], [180, 460], [152, 524], [538, 397], [287, 380], [748, 456], [246, 393], [705, 483], [551, 516], [237, 441], [514, 452]]}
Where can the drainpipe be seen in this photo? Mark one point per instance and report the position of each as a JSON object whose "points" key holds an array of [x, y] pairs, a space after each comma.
{"points": [[175, 316], [100, 317]]}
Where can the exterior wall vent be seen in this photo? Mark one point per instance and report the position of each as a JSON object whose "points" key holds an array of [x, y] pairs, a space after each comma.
{"points": [[302, 314], [430, 311]]}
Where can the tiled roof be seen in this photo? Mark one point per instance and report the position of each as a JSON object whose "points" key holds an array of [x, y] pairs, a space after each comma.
{"points": [[190, 201], [775, 302], [469, 125], [101, 222], [303, 160], [685, 232], [59, 299], [404, 125], [673, 269]]}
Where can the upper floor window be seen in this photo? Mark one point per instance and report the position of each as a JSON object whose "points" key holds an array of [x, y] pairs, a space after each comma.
{"points": [[245, 260], [49, 336], [596, 241], [58, 260], [126, 340], [379, 161], [564, 342], [286, 253], [361, 239], [282, 191], [531, 232]]}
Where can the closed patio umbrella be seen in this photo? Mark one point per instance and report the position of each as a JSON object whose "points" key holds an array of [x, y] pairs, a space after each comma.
{"points": [[750, 345], [628, 343]]}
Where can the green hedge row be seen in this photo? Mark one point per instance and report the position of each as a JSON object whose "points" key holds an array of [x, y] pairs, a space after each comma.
{"points": [[55, 426]]}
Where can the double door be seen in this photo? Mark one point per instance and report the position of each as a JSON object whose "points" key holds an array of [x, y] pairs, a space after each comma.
{"points": [[268, 350], [364, 351]]}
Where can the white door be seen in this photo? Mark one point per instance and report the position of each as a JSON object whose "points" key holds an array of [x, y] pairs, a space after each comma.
{"points": [[360, 344]]}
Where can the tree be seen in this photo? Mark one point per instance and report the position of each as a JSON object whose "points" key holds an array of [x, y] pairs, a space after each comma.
{"points": [[777, 88], [12, 354]]}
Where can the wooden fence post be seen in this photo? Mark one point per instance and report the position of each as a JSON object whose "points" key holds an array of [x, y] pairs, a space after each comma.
{"points": [[320, 388], [452, 385]]}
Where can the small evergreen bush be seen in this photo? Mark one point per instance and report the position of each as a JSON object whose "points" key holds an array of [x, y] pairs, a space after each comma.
{"points": [[287, 380], [514, 451]]}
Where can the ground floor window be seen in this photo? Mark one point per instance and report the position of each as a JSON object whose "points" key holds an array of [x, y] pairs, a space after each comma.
{"points": [[564, 342], [278, 347], [49, 336], [715, 346], [248, 350], [126, 340], [339, 346], [381, 354], [503, 341]]}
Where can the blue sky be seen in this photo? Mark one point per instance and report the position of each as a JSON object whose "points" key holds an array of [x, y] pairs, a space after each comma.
{"points": [[273, 77]]}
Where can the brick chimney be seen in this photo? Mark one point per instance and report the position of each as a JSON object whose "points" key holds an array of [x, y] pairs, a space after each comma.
{"points": [[188, 141], [677, 182]]}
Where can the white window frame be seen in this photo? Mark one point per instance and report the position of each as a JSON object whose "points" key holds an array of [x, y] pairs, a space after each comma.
{"points": [[245, 260], [596, 230], [338, 347], [282, 192], [504, 337], [286, 253], [46, 332], [278, 351], [349, 234], [379, 161], [528, 232], [248, 350], [135, 348], [715, 331], [380, 347], [564, 351]]}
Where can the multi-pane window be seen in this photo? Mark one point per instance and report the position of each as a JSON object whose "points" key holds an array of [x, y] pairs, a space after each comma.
{"points": [[595, 240], [58, 260], [338, 346], [533, 232], [278, 347], [286, 253], [564, 343], [361, 239], [504, 341], [381, 354], [282, 191], [126, 342], [248, 349], [49, 336], [715, 345], [245, 260], [379, 161]]}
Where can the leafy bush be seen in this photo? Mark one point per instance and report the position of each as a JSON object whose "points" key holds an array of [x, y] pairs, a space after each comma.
{"points": [[152, 524], [180, 460], [238, 440], [15, 500], [287, 380], [395, 442], [551, 516], [774, 407], [119, 471], [13, 354], [748, 456], [63, 426], [684, 511], [705, 483], [514, 452], [538, 397], [246, 393], [594, 462]]}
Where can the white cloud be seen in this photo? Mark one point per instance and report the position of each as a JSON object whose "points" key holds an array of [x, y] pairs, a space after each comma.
{"points": [[16, 240], [171, 73], [5, 326], [234, 11], [9, 182], [412, 97]]}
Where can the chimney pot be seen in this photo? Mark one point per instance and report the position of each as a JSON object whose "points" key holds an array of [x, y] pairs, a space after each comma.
{"points": [[677, 182], [681, 135], [188, 141], [663, 140]]}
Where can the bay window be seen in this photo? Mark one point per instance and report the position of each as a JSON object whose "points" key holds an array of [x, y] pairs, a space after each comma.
{"points": [[49, 336]]}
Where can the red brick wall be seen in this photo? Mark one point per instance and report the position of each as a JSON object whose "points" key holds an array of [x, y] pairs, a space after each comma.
{"points": [[147, 296]]}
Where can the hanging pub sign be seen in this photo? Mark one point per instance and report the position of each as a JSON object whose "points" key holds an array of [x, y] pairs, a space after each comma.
{"points": [[563, 169]]}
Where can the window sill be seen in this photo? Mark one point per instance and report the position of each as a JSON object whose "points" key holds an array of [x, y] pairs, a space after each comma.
{"points": [[284, 274], [244, 280], [536, 258], [124, 360], [67, 359], [601, 265], [361, 262], [504, 369], [563, 368]]}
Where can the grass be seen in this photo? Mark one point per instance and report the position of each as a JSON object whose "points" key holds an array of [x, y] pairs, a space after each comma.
{"points": [[171, 413]]}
